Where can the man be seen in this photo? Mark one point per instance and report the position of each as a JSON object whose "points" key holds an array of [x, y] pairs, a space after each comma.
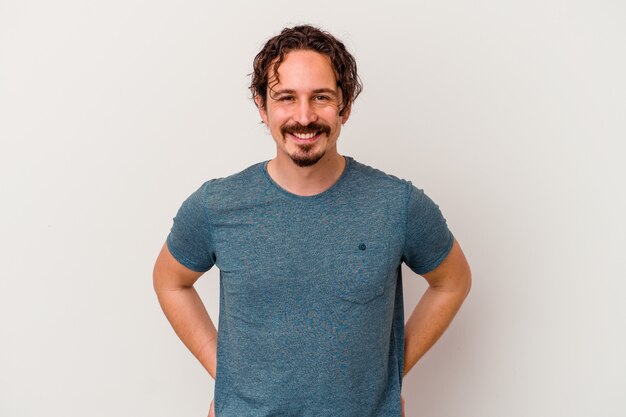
{"points": [[309, 247]]}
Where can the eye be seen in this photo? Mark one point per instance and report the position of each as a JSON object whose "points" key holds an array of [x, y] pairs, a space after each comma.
{"points": [[285, 98], [321, 98]]}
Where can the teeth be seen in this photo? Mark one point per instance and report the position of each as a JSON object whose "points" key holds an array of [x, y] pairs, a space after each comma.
{"points": [[304, 135]]}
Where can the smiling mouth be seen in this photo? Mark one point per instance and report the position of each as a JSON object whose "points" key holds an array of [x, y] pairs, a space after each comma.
{"points": [[305, 136]]}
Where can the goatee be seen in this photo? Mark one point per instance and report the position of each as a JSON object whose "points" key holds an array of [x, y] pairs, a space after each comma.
{"points": [[303, 156], [306, 159]]}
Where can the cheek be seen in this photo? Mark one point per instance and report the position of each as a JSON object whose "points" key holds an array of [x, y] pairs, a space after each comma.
{"points": [[277, 119], [277, 111], [330, 114], [335, 122]]}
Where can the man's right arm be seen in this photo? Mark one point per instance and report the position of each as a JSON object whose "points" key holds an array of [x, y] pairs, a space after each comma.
{"points": [[184, 309]]}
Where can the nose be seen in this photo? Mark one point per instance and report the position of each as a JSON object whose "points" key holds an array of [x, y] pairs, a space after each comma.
{"points": [[305, 113]]}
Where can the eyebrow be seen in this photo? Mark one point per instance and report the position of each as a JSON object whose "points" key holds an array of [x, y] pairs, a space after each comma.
{"points": [[317, 91]]}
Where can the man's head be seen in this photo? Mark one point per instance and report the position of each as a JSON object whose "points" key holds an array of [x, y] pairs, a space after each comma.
{"points": [[304, 83], [305, 37]]}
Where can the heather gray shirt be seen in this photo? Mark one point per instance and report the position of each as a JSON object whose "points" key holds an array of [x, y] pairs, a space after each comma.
{"points": [[311, 318]]}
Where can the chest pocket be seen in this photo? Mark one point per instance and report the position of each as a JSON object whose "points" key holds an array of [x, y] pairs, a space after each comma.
{"points": [[365, 271]]}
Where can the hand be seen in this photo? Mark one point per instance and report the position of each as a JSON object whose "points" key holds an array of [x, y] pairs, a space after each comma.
{"points": [[212, 410], [401, 399]]}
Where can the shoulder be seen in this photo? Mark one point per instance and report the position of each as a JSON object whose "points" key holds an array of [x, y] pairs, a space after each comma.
{"points": [[367, 177], [232, 186]]}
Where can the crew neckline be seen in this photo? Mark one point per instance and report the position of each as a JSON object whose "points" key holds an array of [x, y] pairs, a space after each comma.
{"points": [[275, 185]]}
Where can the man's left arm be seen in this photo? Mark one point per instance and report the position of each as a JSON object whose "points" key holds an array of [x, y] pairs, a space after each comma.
{"points": [[448, 285]]}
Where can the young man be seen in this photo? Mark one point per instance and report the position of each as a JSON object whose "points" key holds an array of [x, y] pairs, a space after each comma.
{"points": [[309, 247]]}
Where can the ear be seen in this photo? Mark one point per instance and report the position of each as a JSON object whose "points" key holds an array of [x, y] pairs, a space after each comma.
{"points": [[345, 114], [261, 108]]}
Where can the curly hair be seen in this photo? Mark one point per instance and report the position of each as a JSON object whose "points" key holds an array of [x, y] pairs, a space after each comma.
{"points": [[305, 37]]}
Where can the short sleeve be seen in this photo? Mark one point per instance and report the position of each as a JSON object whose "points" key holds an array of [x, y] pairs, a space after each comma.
{"points": [[190, 241], [428, 239]]}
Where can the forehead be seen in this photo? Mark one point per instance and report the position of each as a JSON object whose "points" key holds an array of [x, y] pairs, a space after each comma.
{"points": [[304, 68]]}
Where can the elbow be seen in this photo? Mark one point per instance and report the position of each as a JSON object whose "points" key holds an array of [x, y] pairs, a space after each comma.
{"points": [[465, 277], [468, 283], [156, 281]]}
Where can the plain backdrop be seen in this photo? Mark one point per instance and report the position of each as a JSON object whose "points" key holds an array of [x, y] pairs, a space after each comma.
{"points": [[510, 114]]}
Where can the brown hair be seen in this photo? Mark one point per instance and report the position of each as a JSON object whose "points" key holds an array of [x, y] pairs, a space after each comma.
{"points": [[305, 37]]}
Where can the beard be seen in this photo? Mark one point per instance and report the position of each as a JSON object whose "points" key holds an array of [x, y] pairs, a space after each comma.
{"points": [[304, 157]]}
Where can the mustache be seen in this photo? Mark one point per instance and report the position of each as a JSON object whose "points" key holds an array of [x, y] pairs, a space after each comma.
{"points": [[310, 128]]}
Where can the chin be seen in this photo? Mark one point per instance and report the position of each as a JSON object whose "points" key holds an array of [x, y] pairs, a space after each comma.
{"points": [[306, 160]]}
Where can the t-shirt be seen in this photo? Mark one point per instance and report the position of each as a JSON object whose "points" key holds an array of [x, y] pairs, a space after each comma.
{"points": [[311, 318]]}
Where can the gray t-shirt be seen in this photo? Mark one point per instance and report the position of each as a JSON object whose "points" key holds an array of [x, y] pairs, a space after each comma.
{"points": [[311, 319]]}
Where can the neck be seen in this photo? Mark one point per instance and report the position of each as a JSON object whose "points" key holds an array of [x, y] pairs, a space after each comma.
{"points": [[306, 181]]}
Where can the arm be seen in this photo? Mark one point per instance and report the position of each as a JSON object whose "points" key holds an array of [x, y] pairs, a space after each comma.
{"points": [[184, 309], [449, 284]]}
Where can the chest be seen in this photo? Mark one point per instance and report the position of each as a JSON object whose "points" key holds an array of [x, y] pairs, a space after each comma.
{"points": [[304, 252]]}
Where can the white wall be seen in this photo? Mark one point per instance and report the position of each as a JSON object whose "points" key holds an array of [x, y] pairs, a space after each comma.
{"points": [[509, 114]]}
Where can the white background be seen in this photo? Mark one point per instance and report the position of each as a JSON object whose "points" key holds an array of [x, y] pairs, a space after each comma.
{"points": [[510, 114]]}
